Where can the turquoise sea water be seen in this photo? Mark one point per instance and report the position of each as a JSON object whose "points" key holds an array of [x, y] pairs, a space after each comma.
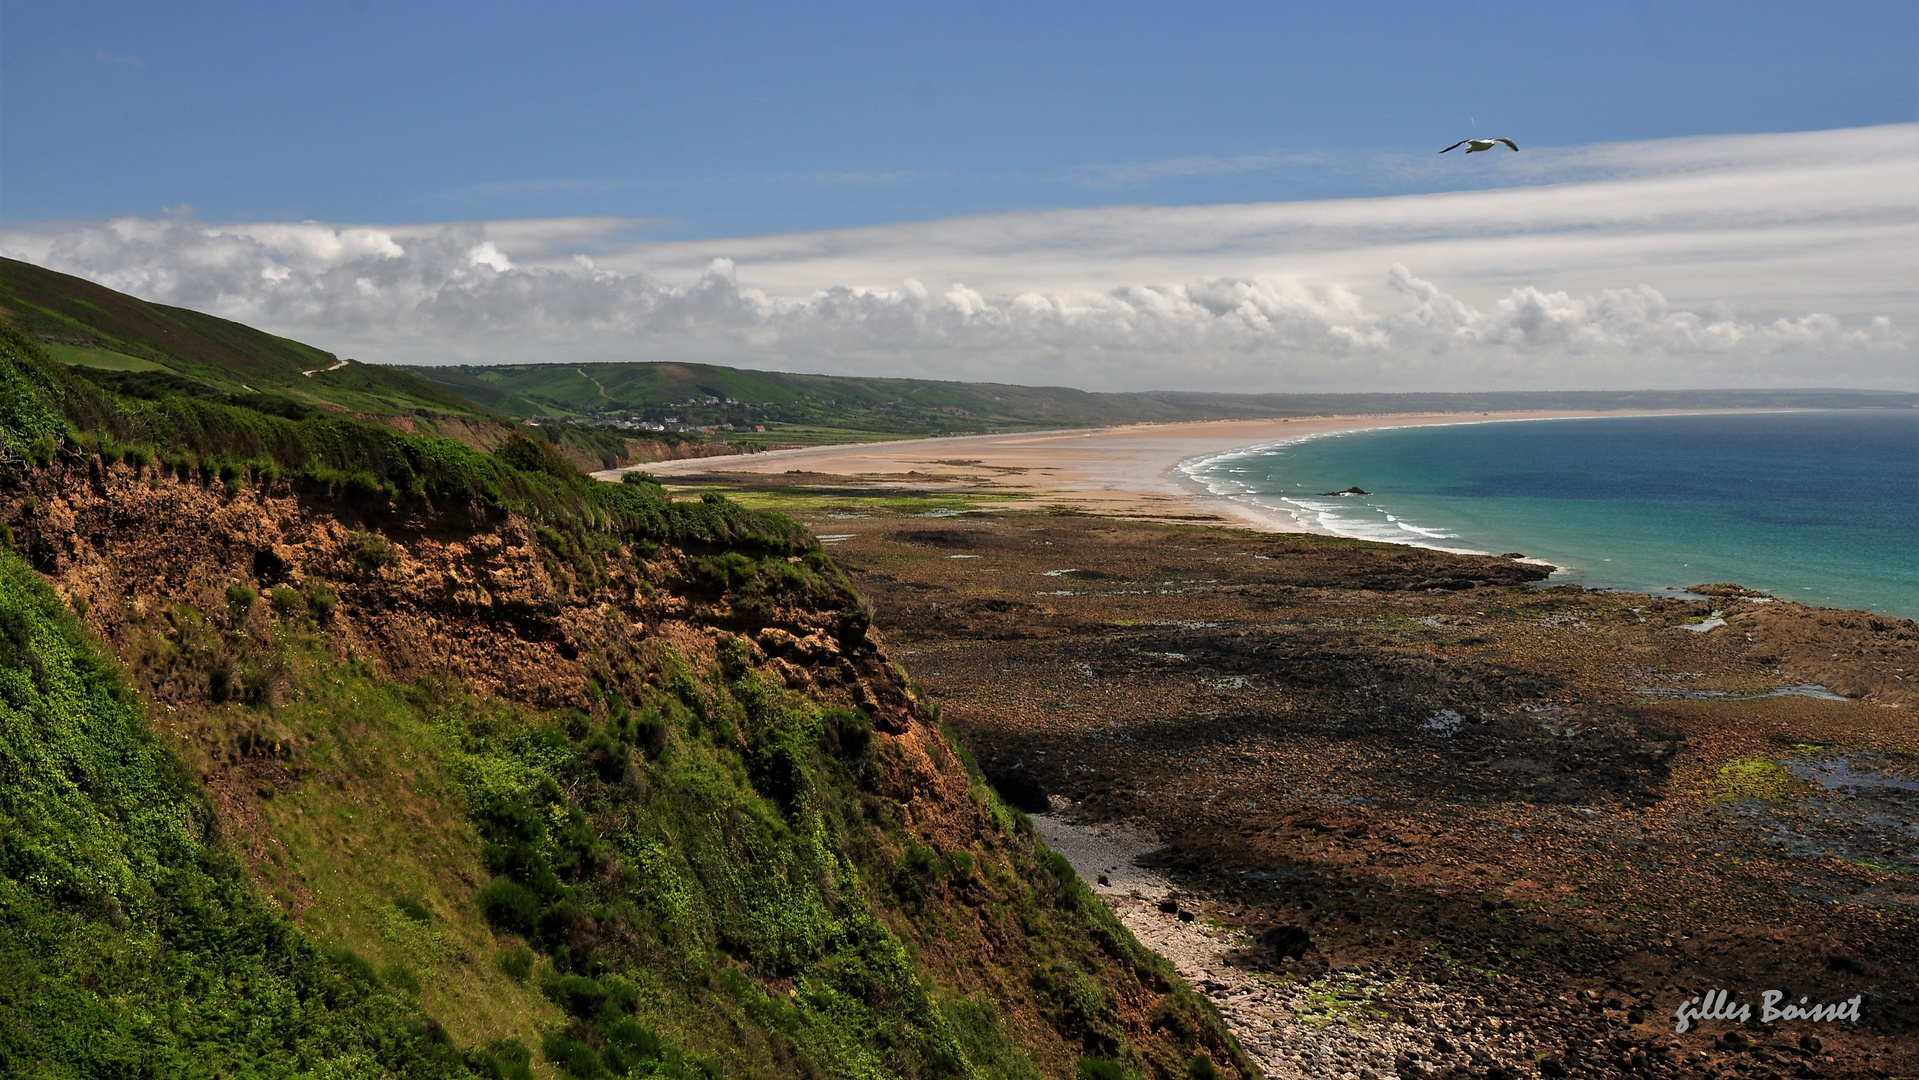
{"points": [[1820, 507]]}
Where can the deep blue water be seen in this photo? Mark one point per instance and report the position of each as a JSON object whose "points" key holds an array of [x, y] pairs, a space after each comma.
{"points": [[1819, 507]]}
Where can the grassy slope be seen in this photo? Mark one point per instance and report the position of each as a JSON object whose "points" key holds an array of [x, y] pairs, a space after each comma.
{"points": [[847, 408], [905, 406], [58, 309], [130, 943], [700, 876]]}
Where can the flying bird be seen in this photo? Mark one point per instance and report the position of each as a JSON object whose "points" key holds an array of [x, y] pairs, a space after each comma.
{"points": [[1474, 146]]}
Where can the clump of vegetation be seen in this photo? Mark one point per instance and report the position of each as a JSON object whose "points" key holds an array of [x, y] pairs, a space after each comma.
{"points": [[1754, 778], [241, 597]]}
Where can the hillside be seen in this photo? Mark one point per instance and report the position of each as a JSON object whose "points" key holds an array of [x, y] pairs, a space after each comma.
{"points": [[92, 326], [371, 749], [151, 351], [830, 408], [708, 394]]}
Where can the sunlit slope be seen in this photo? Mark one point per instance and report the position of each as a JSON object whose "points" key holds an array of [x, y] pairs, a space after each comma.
{"points": [[89, 325]]}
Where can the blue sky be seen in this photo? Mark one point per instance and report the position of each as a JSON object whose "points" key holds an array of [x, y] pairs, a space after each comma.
{"points": [[731, 119], [1227, 196]]}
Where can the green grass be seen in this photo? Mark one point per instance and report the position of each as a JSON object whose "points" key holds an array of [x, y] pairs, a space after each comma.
{"points": [[105, 359], [813, 435], [130, 944], [797, 502]]}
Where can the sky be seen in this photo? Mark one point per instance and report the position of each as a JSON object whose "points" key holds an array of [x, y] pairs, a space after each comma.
{"points": [[1227, 196]]}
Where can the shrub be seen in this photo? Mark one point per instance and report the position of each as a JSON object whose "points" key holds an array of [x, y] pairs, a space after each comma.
{"points": [[287, 600], [635, 1038], [241, 596], [510, 906], [413, 909], [573, 1056], [400, 977], [845, 733], [371, 550], [321, 599], [577, 994], [353, 963], [506, 1059], [918, 870], [516, 963]]}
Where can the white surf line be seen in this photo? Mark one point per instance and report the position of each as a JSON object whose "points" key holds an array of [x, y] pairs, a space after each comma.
{"points": [[1200, 475], [1292, 1029], [337, 365]]}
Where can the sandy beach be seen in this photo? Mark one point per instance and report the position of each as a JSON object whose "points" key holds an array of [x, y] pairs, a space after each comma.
{"points": [[1130, 471]]}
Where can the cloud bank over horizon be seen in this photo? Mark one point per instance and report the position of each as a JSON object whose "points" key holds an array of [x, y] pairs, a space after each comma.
{"points": [[1725, 261]]}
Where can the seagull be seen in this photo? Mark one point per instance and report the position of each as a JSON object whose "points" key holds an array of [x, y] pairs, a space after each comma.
{"points": [[1474, 146]]}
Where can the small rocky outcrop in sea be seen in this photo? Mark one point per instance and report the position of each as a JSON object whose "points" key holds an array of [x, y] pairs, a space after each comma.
{"points": [[1354, 490]]}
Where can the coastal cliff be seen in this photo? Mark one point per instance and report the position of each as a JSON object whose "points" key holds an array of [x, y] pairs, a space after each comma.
{"points": [[514, 773]]}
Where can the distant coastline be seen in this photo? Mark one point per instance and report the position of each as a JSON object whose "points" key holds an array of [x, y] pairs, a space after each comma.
{"points": [[1135, 470]]}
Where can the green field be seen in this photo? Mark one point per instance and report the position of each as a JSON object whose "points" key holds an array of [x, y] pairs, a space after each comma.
{"points": [[104, 359], [812, 435]]}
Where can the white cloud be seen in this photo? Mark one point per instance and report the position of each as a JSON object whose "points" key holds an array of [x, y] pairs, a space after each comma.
{"points": [[1775, 260]]}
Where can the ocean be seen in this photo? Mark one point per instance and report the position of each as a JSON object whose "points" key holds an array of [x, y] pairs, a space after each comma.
{"points": [[1821, 507]]}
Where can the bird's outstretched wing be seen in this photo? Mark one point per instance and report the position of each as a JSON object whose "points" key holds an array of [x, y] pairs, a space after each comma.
{"points": [[1461, 143], [1510, 143]]}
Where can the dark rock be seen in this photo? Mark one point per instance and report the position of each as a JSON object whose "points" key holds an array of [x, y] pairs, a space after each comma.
{"points": [[1289, 942], [1354, 490], [1020, 790]]}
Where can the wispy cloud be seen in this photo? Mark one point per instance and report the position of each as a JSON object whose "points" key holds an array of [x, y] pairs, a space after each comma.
{"points": [[506, 189], [133, 62], [1765, 261]]}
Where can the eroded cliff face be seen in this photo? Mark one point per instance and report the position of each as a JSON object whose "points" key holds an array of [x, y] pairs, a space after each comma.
{"points": [[194, 586], [443, 593]]}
